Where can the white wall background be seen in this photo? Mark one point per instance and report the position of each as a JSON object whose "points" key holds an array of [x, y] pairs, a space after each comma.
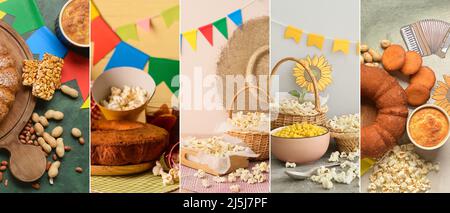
{"points": [[336, 19]]}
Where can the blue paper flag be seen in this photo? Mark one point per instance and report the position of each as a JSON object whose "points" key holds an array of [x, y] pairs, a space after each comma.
{"points": [[126, 55], [236, 17], [44, 41]]}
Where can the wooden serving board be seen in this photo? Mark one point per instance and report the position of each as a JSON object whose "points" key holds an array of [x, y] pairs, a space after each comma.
{"points": [[121, 170], [27, 162], [236, 162]]}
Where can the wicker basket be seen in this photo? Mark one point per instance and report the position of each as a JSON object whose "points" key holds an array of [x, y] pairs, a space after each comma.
{"points": [[346, 142], [288, 119], [256, 141]]}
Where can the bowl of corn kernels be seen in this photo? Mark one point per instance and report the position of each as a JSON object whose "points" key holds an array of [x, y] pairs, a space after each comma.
{"points": [[300, 142]]}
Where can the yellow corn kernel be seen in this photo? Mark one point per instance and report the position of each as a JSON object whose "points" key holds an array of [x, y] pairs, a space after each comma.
{"points": [[300, 130]]}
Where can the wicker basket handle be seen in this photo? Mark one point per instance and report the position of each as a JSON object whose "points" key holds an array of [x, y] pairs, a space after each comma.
{"points": [[310, 74], [230, 111], [252, 61]]}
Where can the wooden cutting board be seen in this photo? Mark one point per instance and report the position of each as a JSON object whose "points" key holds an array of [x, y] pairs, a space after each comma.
{"points": [[27, 162]]}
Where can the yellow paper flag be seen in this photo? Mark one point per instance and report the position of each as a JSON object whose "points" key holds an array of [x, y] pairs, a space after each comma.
{"points": [[294, 33], [2, 14], [341, 45], [191, 37], [94, 11], [86, 103], [315, 40]]}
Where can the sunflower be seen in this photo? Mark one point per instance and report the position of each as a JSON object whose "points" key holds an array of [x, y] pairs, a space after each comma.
{"points": [[441, 94], [319, 67]]}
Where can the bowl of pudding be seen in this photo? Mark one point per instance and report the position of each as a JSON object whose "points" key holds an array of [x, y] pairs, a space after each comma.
{"points": [[428, 127]]}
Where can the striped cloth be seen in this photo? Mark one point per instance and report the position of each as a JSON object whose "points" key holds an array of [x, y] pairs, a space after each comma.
{"points": [[193, 184], [140, 183]]}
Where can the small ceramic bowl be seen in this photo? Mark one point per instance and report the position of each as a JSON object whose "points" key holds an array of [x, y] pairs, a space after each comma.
{"points": [[120, 77], [409, 134], [82, 49], [299, 150]]}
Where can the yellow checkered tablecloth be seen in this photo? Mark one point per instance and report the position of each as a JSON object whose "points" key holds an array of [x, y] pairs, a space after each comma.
{"points": [[140, 183]]}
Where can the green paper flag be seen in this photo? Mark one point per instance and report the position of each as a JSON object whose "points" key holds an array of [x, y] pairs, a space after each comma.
{"points": [[171, 15], [128, 31], [163, 70], [221, 25], [26, 13]]}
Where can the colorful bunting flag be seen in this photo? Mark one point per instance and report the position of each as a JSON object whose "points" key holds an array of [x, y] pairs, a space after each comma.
{"points": [[294, 33], [315, 40], [126, 55], [145, 24], [26, 13], [76, 67], [86, 104], [221, 25], [2, 14], [164, 70], [127, 32], [236, 17], [171, 15], [207, 32], [103, 37], [191, 38], [44, 41], [94, 11], [341, 45]]}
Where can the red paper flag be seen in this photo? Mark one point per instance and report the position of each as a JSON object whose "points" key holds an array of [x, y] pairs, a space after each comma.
{"points": [[207, 32], [103, 37], [77, 67]]}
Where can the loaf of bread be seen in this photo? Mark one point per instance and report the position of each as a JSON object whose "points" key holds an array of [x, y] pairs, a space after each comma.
{"points": [[9, 81], [115, 143]]}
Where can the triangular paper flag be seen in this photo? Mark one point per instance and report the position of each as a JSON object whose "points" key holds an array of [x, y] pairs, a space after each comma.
{"points": [[294, 33], [315, 40], [26, 12], [94, 11], [191, 38], [221, 25], [103, 37], [341, 45], [128, 31], [171, 15], [164, 70], [44, 41], [144, 24], [86, 104], [126, 55], [207, 32], [236, 17], [2, 14]]}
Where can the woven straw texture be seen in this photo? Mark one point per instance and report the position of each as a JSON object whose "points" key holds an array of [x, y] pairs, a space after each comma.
{"points": [[140, 183], [346, 142], [258, 142]]}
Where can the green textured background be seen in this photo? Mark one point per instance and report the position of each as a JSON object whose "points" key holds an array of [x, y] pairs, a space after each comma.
{"points": [[68, 180]]}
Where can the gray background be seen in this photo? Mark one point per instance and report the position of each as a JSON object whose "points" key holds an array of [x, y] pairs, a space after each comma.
{"points": [[335, 19]]}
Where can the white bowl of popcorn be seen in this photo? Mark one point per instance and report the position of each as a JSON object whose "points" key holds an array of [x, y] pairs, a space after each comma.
{"points": [[122, 93]]}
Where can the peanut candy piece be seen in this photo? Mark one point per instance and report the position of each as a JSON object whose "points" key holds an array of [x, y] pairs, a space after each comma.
{"points": [[29, 72], [48, 77]]}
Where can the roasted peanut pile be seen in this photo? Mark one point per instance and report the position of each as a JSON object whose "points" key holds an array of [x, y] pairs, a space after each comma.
{"points": [[369, 56]]}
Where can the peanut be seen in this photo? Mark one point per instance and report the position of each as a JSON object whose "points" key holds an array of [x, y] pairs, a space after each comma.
{"points": [[385, 43], [43, 121], [54, 157], [36, 186], [76, 132], [49, 139], [55, 115], [57, 131], [47, 148], [67, 148], [2, 168], [79, 169], [363, 48], [367, 57], [60, 147], [53, 171], [4, 163], [81, 140], [39, 129], [69, 91], [375, 55], [1, 176], [35, 117]]}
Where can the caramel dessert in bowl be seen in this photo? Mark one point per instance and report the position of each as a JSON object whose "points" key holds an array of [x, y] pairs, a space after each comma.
{"points": [[428, 127]]}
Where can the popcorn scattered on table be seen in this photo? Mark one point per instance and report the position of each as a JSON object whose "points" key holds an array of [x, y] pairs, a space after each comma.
{"points": [[205, 183], [349, 170], [219, 179], [213, 146], [170, 178], [232, 177], [235, 188], [250, 122], [126, 99], [401, 170], [290, 165], [157, 169], [345, 123], [293, 107], [263, 167], [199, 174]]}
